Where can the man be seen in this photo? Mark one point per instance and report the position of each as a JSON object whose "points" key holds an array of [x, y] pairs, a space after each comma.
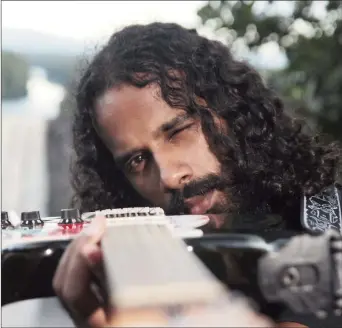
{"points": [[168, 118]]}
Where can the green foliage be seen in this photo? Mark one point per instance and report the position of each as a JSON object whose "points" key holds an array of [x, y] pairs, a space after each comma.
{"points": [[311, 40], [14, 75]]}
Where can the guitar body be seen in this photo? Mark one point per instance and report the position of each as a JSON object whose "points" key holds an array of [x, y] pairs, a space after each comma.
{"points": [[30, 257]]}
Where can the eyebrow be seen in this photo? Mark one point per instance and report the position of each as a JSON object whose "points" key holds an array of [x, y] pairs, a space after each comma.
{"points": [[164, 128]]}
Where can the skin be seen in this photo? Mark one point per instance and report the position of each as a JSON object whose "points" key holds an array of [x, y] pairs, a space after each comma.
{"points": [[155, 145], [159, 149]]}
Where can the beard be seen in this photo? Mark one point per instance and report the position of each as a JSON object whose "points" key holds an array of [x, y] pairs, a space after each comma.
{"points": [[245, 207], [198, 188]]}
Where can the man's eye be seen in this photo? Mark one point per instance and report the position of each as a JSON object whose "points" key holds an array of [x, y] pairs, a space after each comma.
{"points": [[136, 163], [175, 132]]}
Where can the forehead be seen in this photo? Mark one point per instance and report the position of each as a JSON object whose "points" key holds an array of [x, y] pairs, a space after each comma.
{"points": [[127, 116]]}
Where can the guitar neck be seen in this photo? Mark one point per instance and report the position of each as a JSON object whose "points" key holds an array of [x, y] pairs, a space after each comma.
{"points": [[146, 266], [153, 280]]}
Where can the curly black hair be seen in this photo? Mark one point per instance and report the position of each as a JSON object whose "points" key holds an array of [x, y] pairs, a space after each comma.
{"points": [[269, 152]]}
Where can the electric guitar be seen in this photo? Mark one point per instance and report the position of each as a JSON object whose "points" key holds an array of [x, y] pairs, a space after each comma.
{"points": [[152, 274], [187, 289]]}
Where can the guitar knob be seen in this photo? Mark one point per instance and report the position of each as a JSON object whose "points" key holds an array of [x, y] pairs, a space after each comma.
{"points": [[31, 219], [70, 216], [5, 222]]}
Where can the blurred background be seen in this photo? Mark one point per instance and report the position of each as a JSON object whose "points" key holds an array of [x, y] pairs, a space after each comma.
{"points": [[295, 45]]}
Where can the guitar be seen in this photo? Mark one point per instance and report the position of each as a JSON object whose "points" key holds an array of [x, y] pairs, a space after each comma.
{"points": [[159, 281], [191, 295]]}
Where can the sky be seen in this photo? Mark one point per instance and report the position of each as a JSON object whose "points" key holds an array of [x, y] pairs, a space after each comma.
{"points": [[97, 20], [84, 20]]}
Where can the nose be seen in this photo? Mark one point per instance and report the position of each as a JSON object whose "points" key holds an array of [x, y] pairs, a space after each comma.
{"points": [[173, 174]]}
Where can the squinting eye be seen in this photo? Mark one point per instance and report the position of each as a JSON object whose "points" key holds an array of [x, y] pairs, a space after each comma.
{"points": [[175, 132], [136, 163]]}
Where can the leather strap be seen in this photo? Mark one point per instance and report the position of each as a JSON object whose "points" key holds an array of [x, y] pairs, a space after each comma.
{"points": [[322, 211]]}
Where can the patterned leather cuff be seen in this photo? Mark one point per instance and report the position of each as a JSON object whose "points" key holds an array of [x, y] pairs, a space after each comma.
{"points": [[322, 211]]}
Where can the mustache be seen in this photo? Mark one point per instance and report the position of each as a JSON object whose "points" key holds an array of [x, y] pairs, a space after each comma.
{"points": [[194, 188]]}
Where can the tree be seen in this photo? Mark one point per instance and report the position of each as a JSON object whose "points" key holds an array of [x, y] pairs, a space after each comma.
{"points": [[14, 75], [310, 35]]}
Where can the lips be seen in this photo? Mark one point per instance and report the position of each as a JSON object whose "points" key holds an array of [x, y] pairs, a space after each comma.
{"points": [[200, 204]]}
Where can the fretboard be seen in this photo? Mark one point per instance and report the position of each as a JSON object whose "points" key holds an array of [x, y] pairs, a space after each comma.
{"points": [[147, 266]]}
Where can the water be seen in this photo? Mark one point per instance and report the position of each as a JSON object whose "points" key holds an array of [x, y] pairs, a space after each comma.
{"points": [[43, 97], [24, 144]]}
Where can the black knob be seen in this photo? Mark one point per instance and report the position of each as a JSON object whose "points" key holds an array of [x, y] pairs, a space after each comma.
{"points": [[31, 219], [5, 222], [70, 216]]}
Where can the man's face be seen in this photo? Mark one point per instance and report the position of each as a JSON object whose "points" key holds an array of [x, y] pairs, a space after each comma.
{"points": [[161, 150]]}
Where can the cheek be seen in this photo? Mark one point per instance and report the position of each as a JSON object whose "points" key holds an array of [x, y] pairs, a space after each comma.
{"points": [[148, 187], [191, 148], [201, 157]]}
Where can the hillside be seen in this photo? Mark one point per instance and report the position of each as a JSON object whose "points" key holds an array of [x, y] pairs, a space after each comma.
{"points": [[32, 42], [14, 75], [59, 56]]}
